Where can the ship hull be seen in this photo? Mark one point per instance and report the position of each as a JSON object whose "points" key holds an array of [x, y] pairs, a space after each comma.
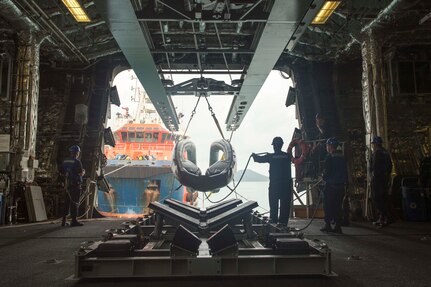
{"points": [[133, 184]]}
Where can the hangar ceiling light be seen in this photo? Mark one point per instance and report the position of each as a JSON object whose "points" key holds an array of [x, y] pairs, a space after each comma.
{"points": [[325, 12], [76, 10]]}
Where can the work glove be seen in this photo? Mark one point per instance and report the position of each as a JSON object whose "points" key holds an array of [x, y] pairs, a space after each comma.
{"points": [[254, 156]]}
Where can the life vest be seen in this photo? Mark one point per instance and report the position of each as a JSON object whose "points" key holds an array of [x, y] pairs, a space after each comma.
{"points": [[219, 173]]}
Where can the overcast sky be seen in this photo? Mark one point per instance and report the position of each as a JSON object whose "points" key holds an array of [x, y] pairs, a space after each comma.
{"points": [[268, 117]]}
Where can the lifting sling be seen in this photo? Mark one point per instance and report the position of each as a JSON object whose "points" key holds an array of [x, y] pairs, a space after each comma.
{"points": [[219, 173]]}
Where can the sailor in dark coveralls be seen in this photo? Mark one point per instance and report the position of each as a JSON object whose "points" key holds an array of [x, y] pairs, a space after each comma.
{"points": [[380, 170], [72, 169], [335, 177], [280, 181]]}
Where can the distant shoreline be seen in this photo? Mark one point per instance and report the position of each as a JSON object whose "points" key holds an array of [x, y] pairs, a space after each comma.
{"points": [[251, 176]]}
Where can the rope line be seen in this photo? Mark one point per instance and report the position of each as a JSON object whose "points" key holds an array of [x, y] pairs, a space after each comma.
{"points": [[115, 170]]}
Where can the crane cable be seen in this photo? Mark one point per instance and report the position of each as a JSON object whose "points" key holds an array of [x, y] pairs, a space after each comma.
{"points": [[214, 118], [191, 116], [210, 108], [239, 181]]}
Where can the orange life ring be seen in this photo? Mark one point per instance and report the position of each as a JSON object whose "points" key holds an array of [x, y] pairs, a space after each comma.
{"points": [[305, 149]]}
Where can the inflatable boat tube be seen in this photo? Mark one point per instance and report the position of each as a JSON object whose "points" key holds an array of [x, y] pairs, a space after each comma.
{"points": [[219, 173]]}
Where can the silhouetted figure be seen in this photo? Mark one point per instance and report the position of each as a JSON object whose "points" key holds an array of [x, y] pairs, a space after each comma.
{"points": [[323, 127], [380, 171], [335, 177], [280, 181], [72, 169], [425, 172], [318, 152], [152, 194]]}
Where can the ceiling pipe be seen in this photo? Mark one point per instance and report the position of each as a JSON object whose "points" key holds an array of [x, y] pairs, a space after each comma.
{"points": [[94, 24], [249, 10], [44, 18], [88, 4], [382, 15], [319, 30], [19, 21], [14, 15], [347, 48], [311, 45], [238, 27], [74, 28], [162, 29], [379, 20], [202, 27], [109, 52]]}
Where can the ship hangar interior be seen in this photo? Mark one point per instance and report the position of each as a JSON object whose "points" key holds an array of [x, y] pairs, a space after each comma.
{"points": [[364, 64]]}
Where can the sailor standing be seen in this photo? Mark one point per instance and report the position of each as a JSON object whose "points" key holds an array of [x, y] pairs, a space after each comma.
{"points": [[280, 181], [336, 179], [380, 169], [72, 169]]}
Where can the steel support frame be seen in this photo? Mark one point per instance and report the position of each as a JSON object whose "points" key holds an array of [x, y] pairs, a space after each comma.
{"points": [[126, 29], [283, 22], [374, 97], [202, 86], [249, 265], [158, 256]]}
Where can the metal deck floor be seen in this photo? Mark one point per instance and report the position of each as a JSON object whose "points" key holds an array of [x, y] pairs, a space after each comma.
{"points": [[398, 255]]}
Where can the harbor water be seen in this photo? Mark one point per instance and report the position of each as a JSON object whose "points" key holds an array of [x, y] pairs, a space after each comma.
{"points": [[248, 190]]}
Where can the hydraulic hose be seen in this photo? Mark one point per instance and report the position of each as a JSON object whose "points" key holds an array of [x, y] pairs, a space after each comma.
{"points": [[239, 181]]}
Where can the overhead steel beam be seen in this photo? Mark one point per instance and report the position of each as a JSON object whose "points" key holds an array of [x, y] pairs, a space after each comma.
{"points": [[304, 23], [206, 51], [172, 14], [202, 86], [282, 23], [197, 72], [206, 20], [121, 19]]}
